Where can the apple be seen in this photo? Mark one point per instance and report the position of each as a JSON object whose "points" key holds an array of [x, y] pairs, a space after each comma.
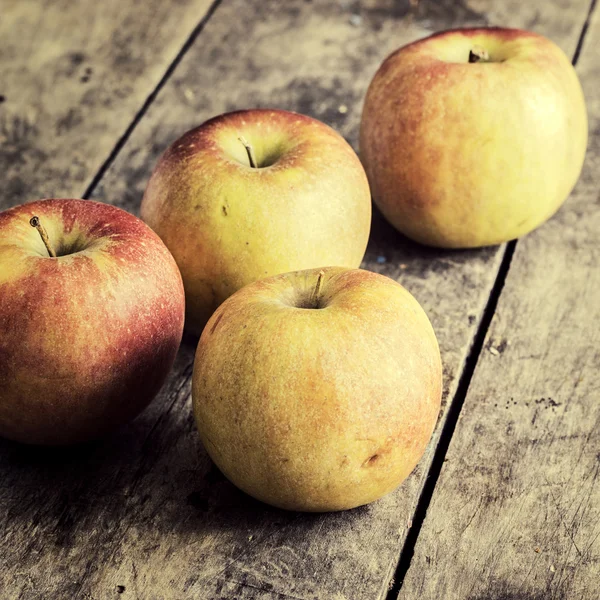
{"points": [[255, 193], [317, 390], [91, 317], [473, 137]]}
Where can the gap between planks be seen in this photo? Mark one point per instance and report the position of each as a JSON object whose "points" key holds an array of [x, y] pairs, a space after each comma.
{"points": [[466, 376], [150, 99]]}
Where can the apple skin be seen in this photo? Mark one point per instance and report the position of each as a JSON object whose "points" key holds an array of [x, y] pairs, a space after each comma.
{"points": [[464, 155], [87, 338], [317, 409], [228, 224]]}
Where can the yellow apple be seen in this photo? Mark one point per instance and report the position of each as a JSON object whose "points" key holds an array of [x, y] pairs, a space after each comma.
{"points": [[473, 137], [317, 390], [305, 202]]}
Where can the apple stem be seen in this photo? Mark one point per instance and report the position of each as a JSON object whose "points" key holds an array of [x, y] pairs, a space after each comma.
{"points": [[478, 54], [250, 152], [35, 222], [315, 297]]}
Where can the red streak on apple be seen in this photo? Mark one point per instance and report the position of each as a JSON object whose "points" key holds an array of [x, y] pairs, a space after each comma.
{"points": [[87, 338]]}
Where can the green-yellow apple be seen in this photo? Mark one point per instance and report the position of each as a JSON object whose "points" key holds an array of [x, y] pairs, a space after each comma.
{"points": [[473, 137], [255, 193], [91, 316], [317, 390]]}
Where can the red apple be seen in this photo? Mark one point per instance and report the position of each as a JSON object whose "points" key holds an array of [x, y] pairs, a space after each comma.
{"points": [[301, 201], [473, 137], [317, 390], [86, 337]]}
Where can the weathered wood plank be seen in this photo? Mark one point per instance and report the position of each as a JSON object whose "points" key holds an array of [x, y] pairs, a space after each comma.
{"points": [[143, 514], [187, 533], [73, 75], [516, 512]]}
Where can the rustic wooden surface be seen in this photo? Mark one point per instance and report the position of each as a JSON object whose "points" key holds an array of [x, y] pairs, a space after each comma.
{"points": [[144, 514], [516, 511], [73, 75]]}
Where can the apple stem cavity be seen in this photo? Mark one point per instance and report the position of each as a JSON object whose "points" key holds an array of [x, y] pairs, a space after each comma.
{"points": [[478, 54], [35, 222], [250, 152], [315, 296]]}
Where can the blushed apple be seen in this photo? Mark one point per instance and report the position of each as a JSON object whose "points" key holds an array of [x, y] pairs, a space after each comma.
{"points": [[254, 193], [91, 317], [473, 137], [317, 390]]}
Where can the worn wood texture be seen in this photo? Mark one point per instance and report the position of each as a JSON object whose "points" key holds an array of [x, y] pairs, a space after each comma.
{"points": [[73, 75], [143, 514], [516, 511], [187, 533]]}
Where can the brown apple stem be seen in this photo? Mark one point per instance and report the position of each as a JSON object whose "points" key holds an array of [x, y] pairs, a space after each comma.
{"points": [[478, 54], [35, 222], [315, 297], [250, 152]]}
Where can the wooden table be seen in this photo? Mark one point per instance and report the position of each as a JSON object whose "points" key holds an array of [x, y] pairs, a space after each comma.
{"points": [[505, 505]]}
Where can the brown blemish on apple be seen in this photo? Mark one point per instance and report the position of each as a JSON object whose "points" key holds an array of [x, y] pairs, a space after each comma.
{"points": [[216, 323], [371, 460]]}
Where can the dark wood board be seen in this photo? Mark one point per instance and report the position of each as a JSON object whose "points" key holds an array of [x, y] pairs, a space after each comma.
{"points": [[73, 76]]}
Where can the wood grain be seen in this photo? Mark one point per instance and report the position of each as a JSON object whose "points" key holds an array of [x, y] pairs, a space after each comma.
{"points": [[144, 514], [183, 531], [516, 511], [73, 75]]}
